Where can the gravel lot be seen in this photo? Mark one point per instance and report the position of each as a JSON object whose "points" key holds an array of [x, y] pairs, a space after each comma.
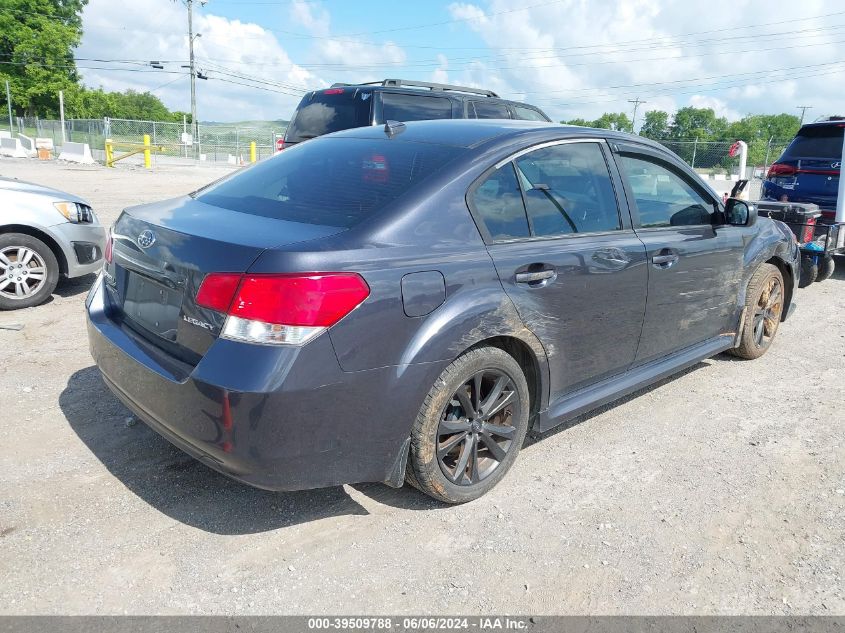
{"points": [[719, 491]]}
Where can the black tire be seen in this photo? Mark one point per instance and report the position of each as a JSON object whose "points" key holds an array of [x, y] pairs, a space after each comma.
{"points": [[763, 309], [826, 268], [809, 272], [434, 466], [20, 285]]}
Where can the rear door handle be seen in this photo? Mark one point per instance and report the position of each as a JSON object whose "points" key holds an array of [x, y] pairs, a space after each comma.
{"points": [[528, 278], [664, 261]]}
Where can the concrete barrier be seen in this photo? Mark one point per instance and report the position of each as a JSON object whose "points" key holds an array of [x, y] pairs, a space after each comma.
{"points": [[44, 143], [76, 153], [12, 147], [5, 134], [28, 145]]}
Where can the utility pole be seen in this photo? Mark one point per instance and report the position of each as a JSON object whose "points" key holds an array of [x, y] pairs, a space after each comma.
{"points": [[636, 103], [191, 37], [803, 110]]}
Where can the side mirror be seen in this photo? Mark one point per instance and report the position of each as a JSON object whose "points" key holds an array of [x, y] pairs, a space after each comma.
{"points": [[740, 213]]}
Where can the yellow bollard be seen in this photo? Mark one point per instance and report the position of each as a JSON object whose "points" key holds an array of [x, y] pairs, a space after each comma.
{"points": [[109, 153], [252, 152], [147, 153]]}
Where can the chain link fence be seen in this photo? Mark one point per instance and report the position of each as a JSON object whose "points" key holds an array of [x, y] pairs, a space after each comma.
{"points": [[231, 143], [216, 143]]}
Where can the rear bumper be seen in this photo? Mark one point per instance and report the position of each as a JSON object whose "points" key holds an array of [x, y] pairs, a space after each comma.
{"points": [[279, 418], [771, 191]]}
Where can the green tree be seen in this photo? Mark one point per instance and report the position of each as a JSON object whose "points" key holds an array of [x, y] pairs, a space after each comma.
{"points": [[607, 121], [579, 122], [697, 123], [656, 125], [37, 38], [613, 121]]}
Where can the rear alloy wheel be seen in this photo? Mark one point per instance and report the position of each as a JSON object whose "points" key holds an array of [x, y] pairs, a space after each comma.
{"points": [[764, 307], [29, 271], [470, 428]]}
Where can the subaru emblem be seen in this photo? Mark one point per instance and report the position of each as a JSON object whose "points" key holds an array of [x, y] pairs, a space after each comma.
{"points": [[146, 239], [836, 165]]}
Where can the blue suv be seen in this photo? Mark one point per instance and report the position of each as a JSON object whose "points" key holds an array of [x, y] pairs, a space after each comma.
{"points": [[808, 171]]}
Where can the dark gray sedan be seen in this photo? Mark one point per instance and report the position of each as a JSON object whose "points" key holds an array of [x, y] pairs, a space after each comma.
{"points": [[405, 303]]}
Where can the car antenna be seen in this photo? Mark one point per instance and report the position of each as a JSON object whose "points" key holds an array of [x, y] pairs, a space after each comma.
{"points": [[392, 128]]}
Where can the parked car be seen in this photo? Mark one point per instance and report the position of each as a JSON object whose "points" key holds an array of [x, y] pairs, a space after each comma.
{"points": [[44, 234], [407, 301], [808, 170], [345, 106]]}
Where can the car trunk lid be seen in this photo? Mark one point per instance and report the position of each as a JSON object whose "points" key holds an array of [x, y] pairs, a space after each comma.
{"points": [[162, 252]]}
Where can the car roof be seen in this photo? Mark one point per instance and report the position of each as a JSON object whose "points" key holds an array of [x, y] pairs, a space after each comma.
{"points": [[829, 123], [456, 95], [472, 132]]}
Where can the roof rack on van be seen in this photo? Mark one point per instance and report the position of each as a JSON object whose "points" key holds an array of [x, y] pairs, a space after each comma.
{"points": [[825, 119], [397, 83]]}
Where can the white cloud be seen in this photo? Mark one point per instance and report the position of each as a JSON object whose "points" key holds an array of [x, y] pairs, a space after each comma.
{"points": [[577, 58], [227, 51]]}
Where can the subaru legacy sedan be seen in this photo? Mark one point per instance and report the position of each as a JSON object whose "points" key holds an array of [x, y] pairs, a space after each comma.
{"points": [[406, 302]]}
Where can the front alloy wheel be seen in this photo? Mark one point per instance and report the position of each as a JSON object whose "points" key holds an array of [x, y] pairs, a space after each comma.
{"points": [[29, 271]]}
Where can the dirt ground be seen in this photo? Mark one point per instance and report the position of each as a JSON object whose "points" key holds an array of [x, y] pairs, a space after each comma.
{"points": [[721, 490]]}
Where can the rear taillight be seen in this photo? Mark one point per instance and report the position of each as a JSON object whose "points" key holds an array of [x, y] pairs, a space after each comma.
{"points": [[288, 309], [109, 249], [780, 169]]}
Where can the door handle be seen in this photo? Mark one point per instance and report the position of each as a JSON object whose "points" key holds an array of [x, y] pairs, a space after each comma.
{"points": [[528, 278], [664, 261]]}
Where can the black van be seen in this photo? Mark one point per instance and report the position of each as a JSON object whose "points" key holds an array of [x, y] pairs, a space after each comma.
{"points": [[345, 106]]}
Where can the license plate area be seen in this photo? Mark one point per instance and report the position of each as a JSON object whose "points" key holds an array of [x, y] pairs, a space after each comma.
{"points": [[152, 305]]}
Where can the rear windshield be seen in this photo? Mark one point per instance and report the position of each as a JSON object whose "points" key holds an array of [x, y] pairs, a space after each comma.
{"points": [[824, 141], [322, 113], [336, 182]]}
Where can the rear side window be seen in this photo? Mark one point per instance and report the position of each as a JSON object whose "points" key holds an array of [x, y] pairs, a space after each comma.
{"points": [[487, 110], [400, 107], [331, 111], [663, 196], [824, 141], [528, 114], [498, 201], [568, 190], [336, 182]]}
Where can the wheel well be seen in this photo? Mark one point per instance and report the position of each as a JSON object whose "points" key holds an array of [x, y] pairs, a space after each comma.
{"points": [[44, 237], [788, 281], [523, 355]]}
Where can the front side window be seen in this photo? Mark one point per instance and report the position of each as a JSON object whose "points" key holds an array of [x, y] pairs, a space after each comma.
{"points": [[498, 201], [568, 190], [400, 107], [487, 110], [663, 196]]}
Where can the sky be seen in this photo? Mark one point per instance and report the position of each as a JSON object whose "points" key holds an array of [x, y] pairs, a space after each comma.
{"points": [[573, 58]]}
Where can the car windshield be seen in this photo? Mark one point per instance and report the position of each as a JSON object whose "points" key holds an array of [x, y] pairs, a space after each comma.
{"points": [[824, 141], [336, 182], [330, 111]]}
